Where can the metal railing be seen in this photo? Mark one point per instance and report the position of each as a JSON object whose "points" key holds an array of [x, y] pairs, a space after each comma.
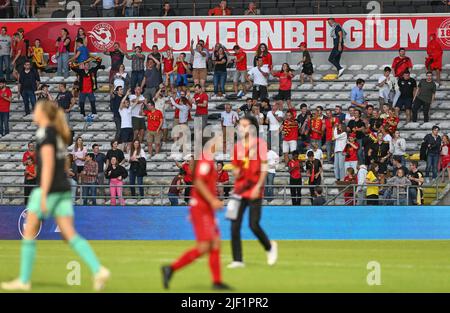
{"points": [[352, 194]]}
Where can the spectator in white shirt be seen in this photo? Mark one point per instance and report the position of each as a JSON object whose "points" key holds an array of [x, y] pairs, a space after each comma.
{"points": [[318, 153], [274, 119], [386, 84], [256, 112], [362, 174], [229, 120], [340, 137], [126, 128], [199, 70], [137, 102], [260, 75], [273, 160], [162, 104], [398, 147]]}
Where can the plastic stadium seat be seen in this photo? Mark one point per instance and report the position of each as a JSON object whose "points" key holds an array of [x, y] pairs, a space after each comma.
{"points": [[201, 12], [285, 4], [305, 10], [335, 3], [271, 11], [186, 12], [355, 10], [60, 14], [407, 9], [424, 9], [238, 11], [235, 4], [339, 10], [390, 9]]}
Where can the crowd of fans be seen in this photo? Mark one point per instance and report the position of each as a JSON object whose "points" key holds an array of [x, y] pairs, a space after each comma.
{"points": [[363, 144]]}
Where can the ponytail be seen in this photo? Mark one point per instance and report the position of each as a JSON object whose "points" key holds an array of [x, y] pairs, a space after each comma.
{"points": [[62, 127], [57, 119]]}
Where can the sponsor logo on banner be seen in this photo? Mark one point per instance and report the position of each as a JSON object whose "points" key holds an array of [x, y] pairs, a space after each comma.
{"points": [[102, 36], [22, 222], [443, 32]]}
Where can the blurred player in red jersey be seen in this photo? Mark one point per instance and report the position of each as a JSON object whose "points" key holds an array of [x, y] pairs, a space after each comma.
{"points": [[250, 172], [203, 204]]}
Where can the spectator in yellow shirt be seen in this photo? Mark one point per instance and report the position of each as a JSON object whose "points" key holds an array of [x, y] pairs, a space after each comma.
{"points": [[372, 179]]}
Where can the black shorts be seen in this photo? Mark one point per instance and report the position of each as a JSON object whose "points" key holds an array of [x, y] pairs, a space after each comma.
{"points": [[126, 135], [259, 92], [405, 103], [283, 95], [308, 69], [138, 123]]}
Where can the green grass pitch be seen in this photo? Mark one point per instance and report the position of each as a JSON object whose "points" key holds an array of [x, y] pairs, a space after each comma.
{"points": [[303, 266]]}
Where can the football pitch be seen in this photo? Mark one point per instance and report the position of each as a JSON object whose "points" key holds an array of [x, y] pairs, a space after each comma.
{"points": [[303, 266]]}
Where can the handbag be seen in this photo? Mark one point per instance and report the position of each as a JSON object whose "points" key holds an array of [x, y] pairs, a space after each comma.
{"points": [[233, 207]]}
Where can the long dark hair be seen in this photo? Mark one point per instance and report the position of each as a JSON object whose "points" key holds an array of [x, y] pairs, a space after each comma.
{"points": [[138, 150]]}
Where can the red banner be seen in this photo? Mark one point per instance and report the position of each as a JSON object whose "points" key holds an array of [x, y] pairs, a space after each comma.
{"points": [[281, 34]]}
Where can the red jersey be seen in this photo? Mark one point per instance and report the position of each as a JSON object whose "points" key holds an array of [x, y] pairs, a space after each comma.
{"points": [[205, 171], [28, 154], [180, 68], [249, 160], [200, 98], [154, 119], [285, 80], [400, 65], [351, 153], [290, 130], [295, 169], [87, 84], [223, 177], [168, 65], [391, 119], [5, 105], [30, 170], [19, 46], [217, 11], [188, 175], [267, 59], [329, 123], [242, 65], [316, 124]]}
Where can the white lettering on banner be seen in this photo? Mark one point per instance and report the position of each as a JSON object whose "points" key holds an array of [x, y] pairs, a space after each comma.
{"points": [[315, 32], [227, 31], [355, 34], [206, 33], [329, 39], [247, 38], [409, 34], [154, 34], [135, 35], [369, 33], [294, 34], [271, 34], [177, 35], [389, 42]]}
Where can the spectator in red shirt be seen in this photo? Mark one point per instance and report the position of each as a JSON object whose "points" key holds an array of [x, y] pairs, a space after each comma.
{"points": [[169, 76], [263, 52], [317, 127], [284, 91], [241, 71], [180, 70], [5, 107], [351, 152], [187, 166], [433, 61], [402, 63], [29, 153], [201, 101], [391, 121], [19, 54], [30, 176], [350, 179], [290, 135], [330, 122], [221, 9], [155, 120], [295, 180], [222, 179]]}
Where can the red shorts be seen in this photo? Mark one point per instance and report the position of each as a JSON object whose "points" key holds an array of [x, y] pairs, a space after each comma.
{"points": [[205, 226]]}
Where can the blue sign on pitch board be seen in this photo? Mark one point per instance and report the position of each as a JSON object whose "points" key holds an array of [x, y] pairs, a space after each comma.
{"points": [[280, 222]]}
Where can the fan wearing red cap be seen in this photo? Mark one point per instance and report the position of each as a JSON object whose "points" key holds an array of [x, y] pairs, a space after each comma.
{"points": [[307, 69]]}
